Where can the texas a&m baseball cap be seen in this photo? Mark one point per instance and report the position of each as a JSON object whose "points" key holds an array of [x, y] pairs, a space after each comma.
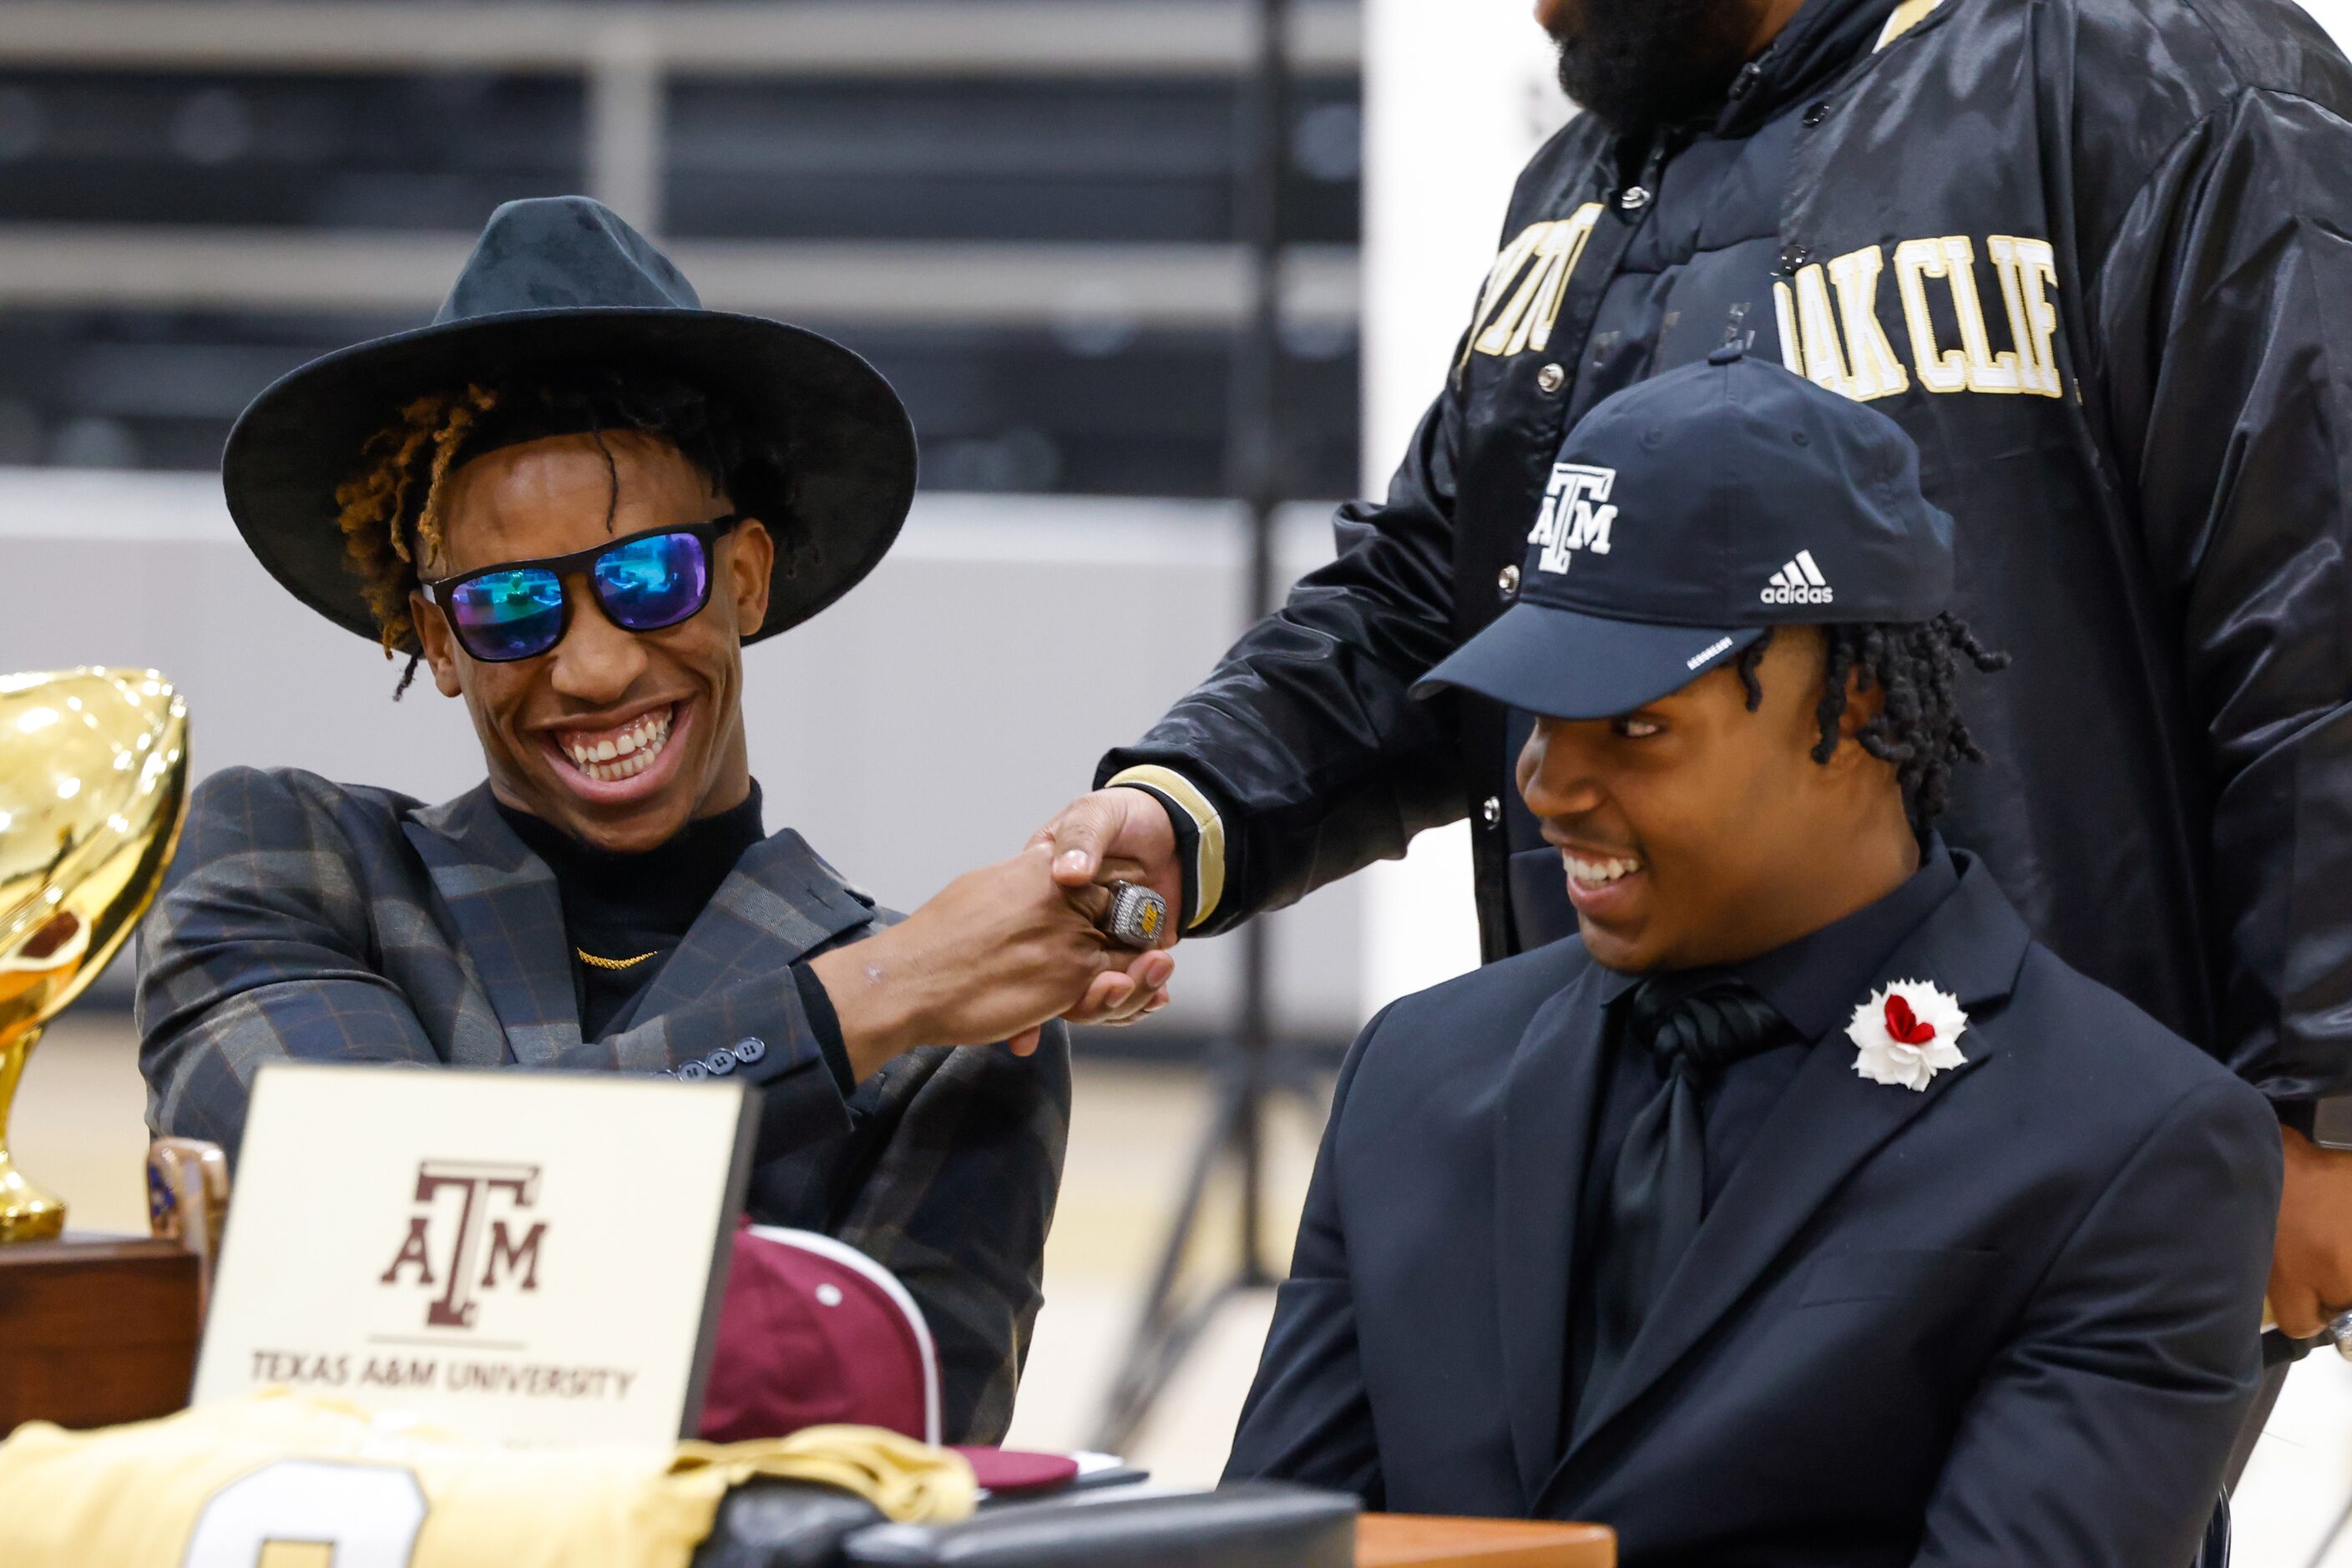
{"points": [[1686, 515]]}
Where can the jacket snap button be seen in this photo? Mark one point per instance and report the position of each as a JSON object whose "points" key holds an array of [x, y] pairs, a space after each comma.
{"points": [[1506, 583], [1550, 379], [1634, 199], [1491, 813]]}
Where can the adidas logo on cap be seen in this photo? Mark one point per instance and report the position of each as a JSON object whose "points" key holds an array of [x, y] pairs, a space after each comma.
{"points": [[1798, 582]]}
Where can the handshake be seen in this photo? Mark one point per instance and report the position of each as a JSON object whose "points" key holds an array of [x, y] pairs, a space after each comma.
{"points": [[1002, 950]]}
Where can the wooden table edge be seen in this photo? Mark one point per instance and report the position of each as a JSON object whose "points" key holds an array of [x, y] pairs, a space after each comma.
{"points": [[1430, 1540]]}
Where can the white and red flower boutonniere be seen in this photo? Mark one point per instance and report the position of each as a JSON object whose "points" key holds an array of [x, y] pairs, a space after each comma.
{"points": [[1908, 1034]]}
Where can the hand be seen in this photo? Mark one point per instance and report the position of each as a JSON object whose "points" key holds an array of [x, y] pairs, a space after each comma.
{"points": [[2311, 1267], [1117, 836], [993, 956]]}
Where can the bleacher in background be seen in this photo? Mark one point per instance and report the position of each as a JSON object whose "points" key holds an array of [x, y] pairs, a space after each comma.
{"points": [[1021, 210]]}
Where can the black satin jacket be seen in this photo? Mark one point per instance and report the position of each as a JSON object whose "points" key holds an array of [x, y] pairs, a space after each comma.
{"points": [[2095, 256]]}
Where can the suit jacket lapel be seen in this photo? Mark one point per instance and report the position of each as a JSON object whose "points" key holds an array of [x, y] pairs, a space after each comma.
{"points": [[780, 902], [509, 921], [1542, 1125], [1828, 1122]]}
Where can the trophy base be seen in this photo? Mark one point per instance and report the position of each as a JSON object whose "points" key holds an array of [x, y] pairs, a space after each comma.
{"points": [[28, 1212]]}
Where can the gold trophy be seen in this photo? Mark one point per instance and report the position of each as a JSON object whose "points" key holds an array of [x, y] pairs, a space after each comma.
{"points": [[93, 785]]}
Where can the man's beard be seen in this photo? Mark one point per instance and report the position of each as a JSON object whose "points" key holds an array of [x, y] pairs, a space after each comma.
{"points": [[1651, 62]]}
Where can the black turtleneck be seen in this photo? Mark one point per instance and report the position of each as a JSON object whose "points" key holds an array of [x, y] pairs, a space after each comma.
{"points": [[620, 907], [638, 907]]}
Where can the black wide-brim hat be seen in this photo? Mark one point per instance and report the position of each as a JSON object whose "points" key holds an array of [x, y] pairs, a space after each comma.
{"points": [[561, 283]]}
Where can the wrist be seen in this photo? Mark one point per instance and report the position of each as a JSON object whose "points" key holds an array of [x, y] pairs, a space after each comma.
{"points": [[878, 1024], [1199, 832]]}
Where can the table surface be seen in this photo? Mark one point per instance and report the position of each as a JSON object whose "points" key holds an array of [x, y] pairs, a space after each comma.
{"points": [[1421, 1541], [1382, 1540], [97, 1329], [86, 1247]]}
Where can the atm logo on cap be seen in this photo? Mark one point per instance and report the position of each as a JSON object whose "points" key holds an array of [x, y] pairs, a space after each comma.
{"points": [[1576, 515]]}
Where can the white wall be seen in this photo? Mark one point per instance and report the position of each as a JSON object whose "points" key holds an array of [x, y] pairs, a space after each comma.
{"points": [[2336, 16], [1457, 96], [925, 724]]}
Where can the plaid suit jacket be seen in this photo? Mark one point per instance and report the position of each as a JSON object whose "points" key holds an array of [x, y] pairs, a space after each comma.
{"points": [[330, 922]]}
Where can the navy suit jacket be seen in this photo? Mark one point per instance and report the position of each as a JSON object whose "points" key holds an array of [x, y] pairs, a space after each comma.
{"points": [[2011, 1319]]}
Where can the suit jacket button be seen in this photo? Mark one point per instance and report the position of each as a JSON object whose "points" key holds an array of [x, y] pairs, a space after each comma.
{"points": [[750, 1049], [692, 1070], [719, 1063], [1550, 379], [1491, 811]]}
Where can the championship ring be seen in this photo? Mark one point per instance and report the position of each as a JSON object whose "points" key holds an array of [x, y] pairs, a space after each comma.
{"points": [[1136, 916]]}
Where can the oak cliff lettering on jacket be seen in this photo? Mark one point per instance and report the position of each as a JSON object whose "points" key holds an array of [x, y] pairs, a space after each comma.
{"points": [[1841, 325]]}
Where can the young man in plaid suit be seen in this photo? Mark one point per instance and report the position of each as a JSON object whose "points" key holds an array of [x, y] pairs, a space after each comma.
{"points": [[576, 496]]}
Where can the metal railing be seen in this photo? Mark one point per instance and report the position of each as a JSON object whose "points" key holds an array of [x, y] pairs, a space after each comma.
{"points": [[975, 283], [804, 37], [628, 55]]}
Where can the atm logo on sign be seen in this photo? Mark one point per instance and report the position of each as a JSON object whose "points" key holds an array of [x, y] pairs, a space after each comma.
{"points": [[445, 1252], [1576, 514]]}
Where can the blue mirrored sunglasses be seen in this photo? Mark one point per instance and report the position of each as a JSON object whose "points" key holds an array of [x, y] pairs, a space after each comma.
{"points": [[517, 609]]}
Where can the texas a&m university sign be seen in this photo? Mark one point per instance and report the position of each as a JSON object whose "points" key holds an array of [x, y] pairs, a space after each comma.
{"points": [[535, 1257]]}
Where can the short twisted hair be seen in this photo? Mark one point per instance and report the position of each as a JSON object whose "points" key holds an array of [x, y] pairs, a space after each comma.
{"points": [[391, 507], [1920, 731]]}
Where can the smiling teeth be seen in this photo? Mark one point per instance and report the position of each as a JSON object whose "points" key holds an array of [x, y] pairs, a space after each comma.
{"points": [[1599, 873], [620, 754]]}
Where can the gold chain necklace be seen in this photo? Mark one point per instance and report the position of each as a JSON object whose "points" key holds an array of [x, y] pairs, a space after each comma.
{"points": [[593, 962]]}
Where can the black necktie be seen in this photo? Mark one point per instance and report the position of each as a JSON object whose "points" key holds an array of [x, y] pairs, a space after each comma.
{"points": [[1693, 1025]]}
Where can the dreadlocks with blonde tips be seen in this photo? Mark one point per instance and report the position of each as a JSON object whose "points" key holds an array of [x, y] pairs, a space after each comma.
{"points": [[373, 504], [390, 509]]}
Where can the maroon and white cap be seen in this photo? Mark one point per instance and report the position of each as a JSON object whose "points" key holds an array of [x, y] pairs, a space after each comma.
{"points": [[812, 1331]]}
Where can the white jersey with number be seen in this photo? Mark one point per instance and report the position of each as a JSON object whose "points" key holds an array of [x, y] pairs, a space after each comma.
{"points": [[283, 1480]]}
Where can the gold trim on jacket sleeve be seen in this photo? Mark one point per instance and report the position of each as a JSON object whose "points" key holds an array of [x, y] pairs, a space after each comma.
{"points": [[1209, 857], [1905, 16]]}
